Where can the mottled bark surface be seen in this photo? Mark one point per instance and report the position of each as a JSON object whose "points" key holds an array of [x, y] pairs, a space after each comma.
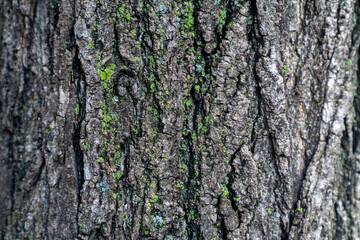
{"points": [[198, 119]]}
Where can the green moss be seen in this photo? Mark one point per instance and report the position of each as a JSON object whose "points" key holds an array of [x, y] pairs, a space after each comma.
{"points": [[225, 191], [249, 19], [286, 69], [77, 109], [123, 13], [90, 45], [193, 136], [189, 17], [155, 198], [87, 145], [180, 185], [118, 174], [197, 88], [222, 17], [208, 120], [106, 76], [186, 103]]}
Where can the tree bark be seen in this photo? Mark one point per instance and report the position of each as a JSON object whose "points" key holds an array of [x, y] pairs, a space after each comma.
{"points": [[197, 119]]}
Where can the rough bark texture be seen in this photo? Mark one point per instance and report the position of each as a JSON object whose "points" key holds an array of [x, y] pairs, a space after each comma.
{"points": [[198, 119]]}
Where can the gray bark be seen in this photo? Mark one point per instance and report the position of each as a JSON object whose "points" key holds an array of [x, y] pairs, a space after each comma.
{"points": [[198, 119]]}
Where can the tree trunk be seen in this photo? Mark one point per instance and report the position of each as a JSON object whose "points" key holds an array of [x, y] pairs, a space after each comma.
{"points": [[197, 119]]}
